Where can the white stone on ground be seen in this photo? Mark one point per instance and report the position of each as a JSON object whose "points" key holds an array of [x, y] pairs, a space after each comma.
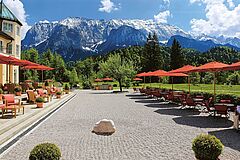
{"points": [[104, 126]]}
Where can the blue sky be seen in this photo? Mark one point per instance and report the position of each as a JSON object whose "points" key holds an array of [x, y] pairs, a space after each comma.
{"points": [[211, 17], [182, 11]]}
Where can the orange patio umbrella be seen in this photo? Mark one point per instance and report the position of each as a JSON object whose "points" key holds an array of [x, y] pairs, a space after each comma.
{"points": [[211, 67], [184, 69]]}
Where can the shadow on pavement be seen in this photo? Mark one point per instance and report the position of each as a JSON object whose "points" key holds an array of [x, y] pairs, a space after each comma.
{"points": [[148, 101], [135, 95], [229, 137], [204, 121], [177, 112], [162, 105]]}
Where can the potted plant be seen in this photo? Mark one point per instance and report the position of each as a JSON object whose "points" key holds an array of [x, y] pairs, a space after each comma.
{"points": [[66, 88], [59, 94], [40, 101], [18, 91], [1, 93], [207, 147]]}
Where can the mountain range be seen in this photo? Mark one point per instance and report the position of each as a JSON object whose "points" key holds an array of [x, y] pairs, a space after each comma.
{"points": [[76, 38]]}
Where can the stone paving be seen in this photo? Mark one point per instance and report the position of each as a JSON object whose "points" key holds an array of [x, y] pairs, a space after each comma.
{"points": [[146, 129]]}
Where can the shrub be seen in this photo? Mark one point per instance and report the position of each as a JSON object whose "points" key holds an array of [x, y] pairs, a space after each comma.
{"points": [[40, 100], [59, 93], [207, 147], [114, 85], [17, 89], [66, 87], [86, 84], [45, 151]]}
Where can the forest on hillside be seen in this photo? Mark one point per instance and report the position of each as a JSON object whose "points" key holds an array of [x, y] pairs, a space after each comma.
{"points": [[149, 57]]}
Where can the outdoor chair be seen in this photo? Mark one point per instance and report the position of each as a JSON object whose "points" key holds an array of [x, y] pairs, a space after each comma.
{"points": [[31, 96], [142, 90], [42, 94], [190, 103], [221, 110], [209, 106], [12, 104]]}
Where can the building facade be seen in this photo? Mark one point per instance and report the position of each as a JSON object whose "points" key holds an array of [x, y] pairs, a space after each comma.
{"points": [[10, 43]]}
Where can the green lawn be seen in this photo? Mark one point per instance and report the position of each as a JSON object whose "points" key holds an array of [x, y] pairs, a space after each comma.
{"points": [[220, 89]]}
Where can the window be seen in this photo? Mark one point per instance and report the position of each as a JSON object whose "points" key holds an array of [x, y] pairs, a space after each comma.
{"points": [[9, 49], [7, 27], [1, 46], [17, 50], [18, 31]]}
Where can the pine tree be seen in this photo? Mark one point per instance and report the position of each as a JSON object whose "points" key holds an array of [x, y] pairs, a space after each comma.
{"points": [[177, 59], [151, 56]]}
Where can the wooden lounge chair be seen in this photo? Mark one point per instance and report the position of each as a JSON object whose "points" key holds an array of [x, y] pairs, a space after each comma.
{"points": [[31, 96], [12, 104], [209, 106]]}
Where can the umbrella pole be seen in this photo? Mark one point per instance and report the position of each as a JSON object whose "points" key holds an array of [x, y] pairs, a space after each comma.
{"points": [[144, 82], [150, 81], [8, 73], [189, 85], [159, 80], [42, 75], [214, 86]]}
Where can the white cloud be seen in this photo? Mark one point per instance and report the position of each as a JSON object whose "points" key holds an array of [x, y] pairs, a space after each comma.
{"points": [[18, 10], [221, 19], [107, 6], [162, 17], [231, 3]]}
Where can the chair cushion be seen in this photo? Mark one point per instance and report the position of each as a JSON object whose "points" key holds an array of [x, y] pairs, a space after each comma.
{"points": [[9, 98]]}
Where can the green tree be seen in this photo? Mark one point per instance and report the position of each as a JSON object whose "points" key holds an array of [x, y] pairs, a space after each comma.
{"points": [[176, 59], [151, 56], [117, 68], [33, 56], [73, 79], [234, 78]]}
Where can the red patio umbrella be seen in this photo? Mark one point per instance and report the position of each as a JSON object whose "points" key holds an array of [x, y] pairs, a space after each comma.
{"points": [[107, 79], [39, 67], [184, 69], [137, 79], [9, 60], [234, 66], [98, 80], [211, 67], [168, 74]]}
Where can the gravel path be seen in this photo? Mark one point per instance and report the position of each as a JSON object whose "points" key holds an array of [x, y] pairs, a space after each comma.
{"points": [[146, 129]]}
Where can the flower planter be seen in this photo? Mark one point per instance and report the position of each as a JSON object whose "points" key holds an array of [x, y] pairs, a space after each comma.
{"points": [[67, 91], [18, 93], [39, 105]]}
